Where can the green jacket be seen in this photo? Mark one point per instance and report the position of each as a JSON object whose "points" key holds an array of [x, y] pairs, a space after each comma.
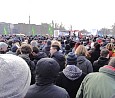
{"points": [[99, 84]]}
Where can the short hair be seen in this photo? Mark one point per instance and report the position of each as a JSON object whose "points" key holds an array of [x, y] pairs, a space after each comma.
{"points": [[96, 45], [36, 49], [26, 49], [104, 52], [81, 50], [112, 62]]}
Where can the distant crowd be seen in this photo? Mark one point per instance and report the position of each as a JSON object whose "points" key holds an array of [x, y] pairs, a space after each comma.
{"points": [[62, 67]]}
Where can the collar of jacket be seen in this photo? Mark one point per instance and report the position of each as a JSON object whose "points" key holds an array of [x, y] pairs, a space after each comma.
{"points": [[107, 69], [42, 81]]}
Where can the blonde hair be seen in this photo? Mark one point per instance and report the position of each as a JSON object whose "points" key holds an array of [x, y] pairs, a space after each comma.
{"points": [[57, 43], [81, 50], [110, 46]]}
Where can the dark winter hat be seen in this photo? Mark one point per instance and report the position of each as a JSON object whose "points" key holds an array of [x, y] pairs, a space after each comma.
{"points": [[67, 47], [14, 48], [71, 59], [47, 68], [48, 42]]}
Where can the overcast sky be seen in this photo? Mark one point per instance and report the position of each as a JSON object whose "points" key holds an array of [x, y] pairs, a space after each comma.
{"points": [[81, 14]]}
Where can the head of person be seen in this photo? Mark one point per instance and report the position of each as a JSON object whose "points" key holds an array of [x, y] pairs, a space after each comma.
{"points": [[26, 49], [112, 62], [34, 43], [14, 48], [110, 46], [15, 76], [71, 59], [55, 46], [97, 46], [46, 71], [48, 42], [81, 50], [35, 51], [104, 53], [3, 47]]}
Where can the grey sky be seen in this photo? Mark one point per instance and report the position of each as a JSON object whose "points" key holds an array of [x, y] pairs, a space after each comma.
{"points": [[81, 14]]}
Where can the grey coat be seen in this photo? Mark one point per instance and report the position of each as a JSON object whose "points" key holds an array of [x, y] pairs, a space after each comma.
{"points": [[84, 64]]}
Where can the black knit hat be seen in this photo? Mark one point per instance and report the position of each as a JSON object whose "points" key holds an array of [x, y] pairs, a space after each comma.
{"points": [[47, 67], [71, 59]]}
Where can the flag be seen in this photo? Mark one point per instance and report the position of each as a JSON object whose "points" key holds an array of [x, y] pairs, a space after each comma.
{"points": [[5, 31], [50, 30], [33, 31]]}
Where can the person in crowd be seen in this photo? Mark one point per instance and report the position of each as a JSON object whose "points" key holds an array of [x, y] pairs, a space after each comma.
{"points": [[102, 60], [34, 43], [95, 52], [47, 70], [13, 50], [71, 77], [46, 48], [37, 55], [57, 55], [110, 47], [82, 62], [67, 49], [15, 76], [26, 50], [3, 48], [99, 84]]}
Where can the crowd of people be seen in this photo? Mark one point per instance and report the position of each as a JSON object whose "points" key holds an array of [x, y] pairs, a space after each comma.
{"points": [[47, 67]]}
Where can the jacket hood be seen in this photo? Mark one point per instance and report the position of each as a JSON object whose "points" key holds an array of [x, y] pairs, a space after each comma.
{"points": [[107, 69], [72, 72], [102, 60], [46, 71], [40, 55], [58, 55], [15, 76], [81, 59]]}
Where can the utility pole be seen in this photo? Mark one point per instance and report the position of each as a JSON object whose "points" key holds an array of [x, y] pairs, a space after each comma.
{"points": [[29, 25], [29, 19]]}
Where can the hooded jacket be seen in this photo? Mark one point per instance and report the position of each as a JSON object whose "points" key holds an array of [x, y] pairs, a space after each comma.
{"points": [[84, 64], [100, 63], [59, 57], [39, 56], [99, 84], [70, 79], [46, 72], [15, 76]]}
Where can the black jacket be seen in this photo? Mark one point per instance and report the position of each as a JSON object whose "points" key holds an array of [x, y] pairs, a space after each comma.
{"points": [[72, 83], [95, 54], [47, 91], [39, 56], [100, 63], [46, 49], [59, 57]]}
